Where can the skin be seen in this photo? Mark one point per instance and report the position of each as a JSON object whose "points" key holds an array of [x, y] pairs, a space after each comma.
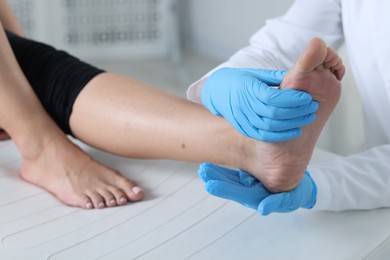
{"points": [[44, 147], [52, 162], [131, 119], [164, 126], [319, 71], [9, 21]]}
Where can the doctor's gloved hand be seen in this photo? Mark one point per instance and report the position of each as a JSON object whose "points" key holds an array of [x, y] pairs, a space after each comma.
{"points": [[243, 188], [244, 97]]}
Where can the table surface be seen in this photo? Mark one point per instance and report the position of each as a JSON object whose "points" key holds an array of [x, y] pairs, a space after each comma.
{"points": [[177, 220]]}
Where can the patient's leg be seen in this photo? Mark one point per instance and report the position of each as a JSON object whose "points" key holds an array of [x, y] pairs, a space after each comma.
{"points": [[317, 71], [129, 118]]}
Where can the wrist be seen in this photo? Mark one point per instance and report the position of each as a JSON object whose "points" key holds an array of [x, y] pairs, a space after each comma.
{"points": [[194, 92]]}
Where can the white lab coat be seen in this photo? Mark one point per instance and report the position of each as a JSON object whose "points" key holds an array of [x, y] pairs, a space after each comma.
{"points": [[360, 181]]}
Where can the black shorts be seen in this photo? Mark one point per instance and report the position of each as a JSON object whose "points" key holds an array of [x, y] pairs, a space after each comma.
{"points": [[56, 77]]}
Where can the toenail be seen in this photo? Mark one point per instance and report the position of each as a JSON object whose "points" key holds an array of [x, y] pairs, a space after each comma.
{"points": [[137, 189], [112, 202], [122, 200], [101, 205], [88, 205]]}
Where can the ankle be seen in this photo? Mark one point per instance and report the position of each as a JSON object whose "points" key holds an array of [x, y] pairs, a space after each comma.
{"points": [[31, 148], [244, 152], [32, 144], [230, 149]]}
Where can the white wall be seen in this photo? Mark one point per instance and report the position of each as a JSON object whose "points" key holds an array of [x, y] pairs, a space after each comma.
{"points": [[218, 28]]}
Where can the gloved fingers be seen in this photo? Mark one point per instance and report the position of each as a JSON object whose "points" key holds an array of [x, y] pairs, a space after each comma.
{"points": [[248, 197], [250, 124], [247, 119], [208, 171], [246, 128], [247, 179], [275, 137], [274, 203], [278, 97], [267, 124], [304, 195], [307, 191], [269, 77], [208, 103], [243, 124], [278, 112]]}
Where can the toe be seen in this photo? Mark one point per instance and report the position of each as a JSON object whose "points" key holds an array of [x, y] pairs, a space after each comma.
{"points": [[76, 200], [313, 56], [332, 59], [120, 196], [126, 190], [330, 55], [109, 198], [96, 199], [137, 193], [132, 190], [88, 205], [338, 65], [340, 73], [338, 69], [85, 202]]}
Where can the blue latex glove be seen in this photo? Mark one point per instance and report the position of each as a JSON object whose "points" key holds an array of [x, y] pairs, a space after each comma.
{"points": [[241, 187], [244, 97]]}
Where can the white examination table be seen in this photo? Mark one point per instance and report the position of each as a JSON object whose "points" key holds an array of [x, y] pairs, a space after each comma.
{"points": [[177, 220]]}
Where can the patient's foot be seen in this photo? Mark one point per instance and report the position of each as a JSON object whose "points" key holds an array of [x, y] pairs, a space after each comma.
{"points": [[318, 71], [76, 179]]}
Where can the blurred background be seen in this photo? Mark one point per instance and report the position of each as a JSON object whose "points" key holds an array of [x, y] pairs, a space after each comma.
{"points": [[172, 43]]}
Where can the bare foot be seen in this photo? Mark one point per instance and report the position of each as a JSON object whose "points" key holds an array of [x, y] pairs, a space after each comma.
{"points": [[318, 71], [76, 179]]}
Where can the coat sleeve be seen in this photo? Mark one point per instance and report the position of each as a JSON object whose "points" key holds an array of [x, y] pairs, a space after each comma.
{"points": [[278, 44], [360, 181]]}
